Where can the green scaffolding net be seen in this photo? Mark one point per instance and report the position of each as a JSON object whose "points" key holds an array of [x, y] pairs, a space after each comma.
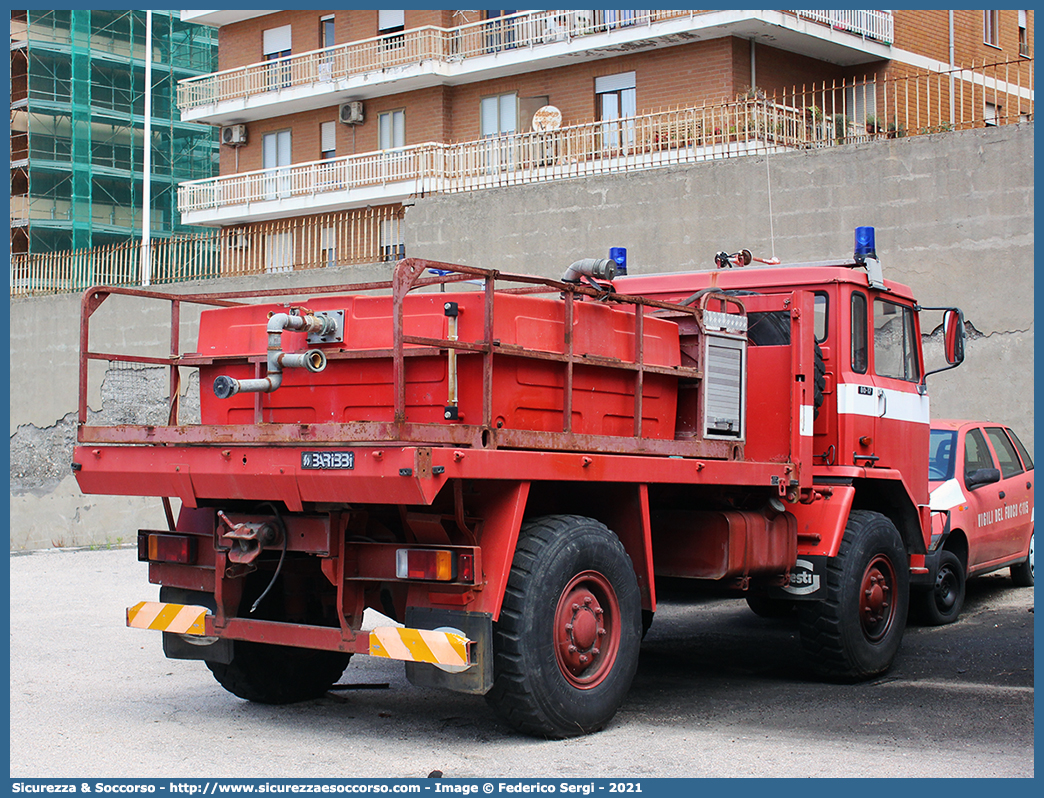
{"points": [[78, 125]]}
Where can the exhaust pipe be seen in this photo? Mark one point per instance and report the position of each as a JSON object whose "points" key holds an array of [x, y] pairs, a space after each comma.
{"points": [[314, 359]]}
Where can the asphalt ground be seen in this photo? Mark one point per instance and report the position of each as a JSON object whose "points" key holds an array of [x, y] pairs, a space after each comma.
{"points": [[719, 692]]}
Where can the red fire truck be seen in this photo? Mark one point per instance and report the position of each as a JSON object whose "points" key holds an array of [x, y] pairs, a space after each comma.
{"points": [[484, 474]]}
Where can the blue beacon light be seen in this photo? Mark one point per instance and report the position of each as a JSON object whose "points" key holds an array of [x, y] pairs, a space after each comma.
{"points": [[864, 244], [619, 255]]}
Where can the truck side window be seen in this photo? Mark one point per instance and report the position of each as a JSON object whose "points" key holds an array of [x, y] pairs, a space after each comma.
{"points": [[859, 348], [976, 453], [1006, 454], [820, 320], [895, 344]]}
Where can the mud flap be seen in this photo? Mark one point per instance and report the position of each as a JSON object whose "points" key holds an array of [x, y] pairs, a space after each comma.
{"points": [[477, 627], [177, 646]]}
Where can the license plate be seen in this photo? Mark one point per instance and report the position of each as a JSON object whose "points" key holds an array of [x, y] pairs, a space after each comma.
{"points": [[328, 460]]}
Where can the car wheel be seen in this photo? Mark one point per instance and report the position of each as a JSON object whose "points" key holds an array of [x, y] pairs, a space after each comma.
{"points": [[1022, 574], [942, 603]]}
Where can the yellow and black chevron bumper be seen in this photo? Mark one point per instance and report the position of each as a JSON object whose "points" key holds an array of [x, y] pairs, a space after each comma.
{"points": [[443, 648]]}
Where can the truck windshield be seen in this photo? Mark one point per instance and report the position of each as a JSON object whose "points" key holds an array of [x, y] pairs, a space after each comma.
{"points": [[941, 454]]}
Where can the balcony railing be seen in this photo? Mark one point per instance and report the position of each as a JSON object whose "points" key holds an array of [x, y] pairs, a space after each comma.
{"points": [[827, 115], [367, 235], [879, 25], [515, 32]]}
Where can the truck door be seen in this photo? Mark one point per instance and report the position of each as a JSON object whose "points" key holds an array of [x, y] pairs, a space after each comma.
{"points": [[901, 428], [882, 419]]}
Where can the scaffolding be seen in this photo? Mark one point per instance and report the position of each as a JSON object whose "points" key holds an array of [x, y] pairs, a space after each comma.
{"points": [[77, 125]]}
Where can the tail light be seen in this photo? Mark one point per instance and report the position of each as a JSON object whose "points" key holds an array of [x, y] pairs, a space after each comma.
{"points": [[433, 564], [159, 547]]}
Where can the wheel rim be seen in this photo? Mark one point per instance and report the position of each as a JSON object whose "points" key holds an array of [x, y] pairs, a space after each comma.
{"points": [[587, 630], [945, 589], [877, 598], [1031, 556]]}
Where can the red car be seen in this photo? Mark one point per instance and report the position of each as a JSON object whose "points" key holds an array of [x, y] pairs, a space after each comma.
{"points": [[981, 481]]}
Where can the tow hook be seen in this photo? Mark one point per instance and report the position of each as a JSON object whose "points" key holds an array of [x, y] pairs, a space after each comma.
{"points": [[248, 540]]}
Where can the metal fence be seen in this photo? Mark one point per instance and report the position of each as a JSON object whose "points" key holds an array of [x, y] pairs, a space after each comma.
{"points": [[821, 115], [519, 31], [367, 235]]}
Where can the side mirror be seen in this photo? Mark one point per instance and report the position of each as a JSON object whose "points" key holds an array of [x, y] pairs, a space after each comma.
{"points": [[953, 330], [983, 476]]}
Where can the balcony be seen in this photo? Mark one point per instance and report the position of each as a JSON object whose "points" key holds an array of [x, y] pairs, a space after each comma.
{"points": [[523, 42], [841, 113]]}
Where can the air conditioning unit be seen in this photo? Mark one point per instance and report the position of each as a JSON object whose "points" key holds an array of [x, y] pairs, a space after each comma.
{"points": [[237, 239], [234, 135], [351, 113]]}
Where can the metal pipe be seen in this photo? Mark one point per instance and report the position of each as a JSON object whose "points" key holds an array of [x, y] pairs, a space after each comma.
{"points": [[600, 268], [314, 359]]}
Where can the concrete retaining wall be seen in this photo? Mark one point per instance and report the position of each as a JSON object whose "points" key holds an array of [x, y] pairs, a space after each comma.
{"points": [[954, 219]]}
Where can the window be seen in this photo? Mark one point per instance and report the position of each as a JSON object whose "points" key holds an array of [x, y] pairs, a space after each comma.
{"points": [[1006, 454], [990, 114], [327, 140], [859, 343], [941, 454], [393, 248], [275, 153], [389, 22], [976, 453], [328, 246], [616, 98], [500, 33], [498, 118], [895, 343], [279, 252], [822, 306], [861, 102], [991, 27], [326, 39], [1026, 459], [391, 129], [498, 115], [326, 31], [1023, 34], [276, 50]]}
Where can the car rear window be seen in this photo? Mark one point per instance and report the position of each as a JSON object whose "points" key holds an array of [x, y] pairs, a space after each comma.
{"points": [[1009, 458], [1026, 459]]}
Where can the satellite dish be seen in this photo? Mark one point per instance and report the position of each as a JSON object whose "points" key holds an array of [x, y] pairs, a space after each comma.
{"points": [[547, 118]]}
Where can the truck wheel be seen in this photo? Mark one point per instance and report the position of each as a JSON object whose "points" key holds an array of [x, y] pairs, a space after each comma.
{"points": [[855, 630], [942, 603], [565, 647], [770, 608], [269, 674], [1022, 574]]}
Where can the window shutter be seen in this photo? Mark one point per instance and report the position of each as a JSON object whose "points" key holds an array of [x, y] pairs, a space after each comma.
{"points": [[277, 40], [625, 80], [390, 19], [328, 136]]}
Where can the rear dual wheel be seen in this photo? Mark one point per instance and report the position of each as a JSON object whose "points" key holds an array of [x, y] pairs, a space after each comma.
{"points": [[566, 643]]}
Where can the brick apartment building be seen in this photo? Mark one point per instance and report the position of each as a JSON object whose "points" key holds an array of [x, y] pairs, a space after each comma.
{"points": [[331, 120]]}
